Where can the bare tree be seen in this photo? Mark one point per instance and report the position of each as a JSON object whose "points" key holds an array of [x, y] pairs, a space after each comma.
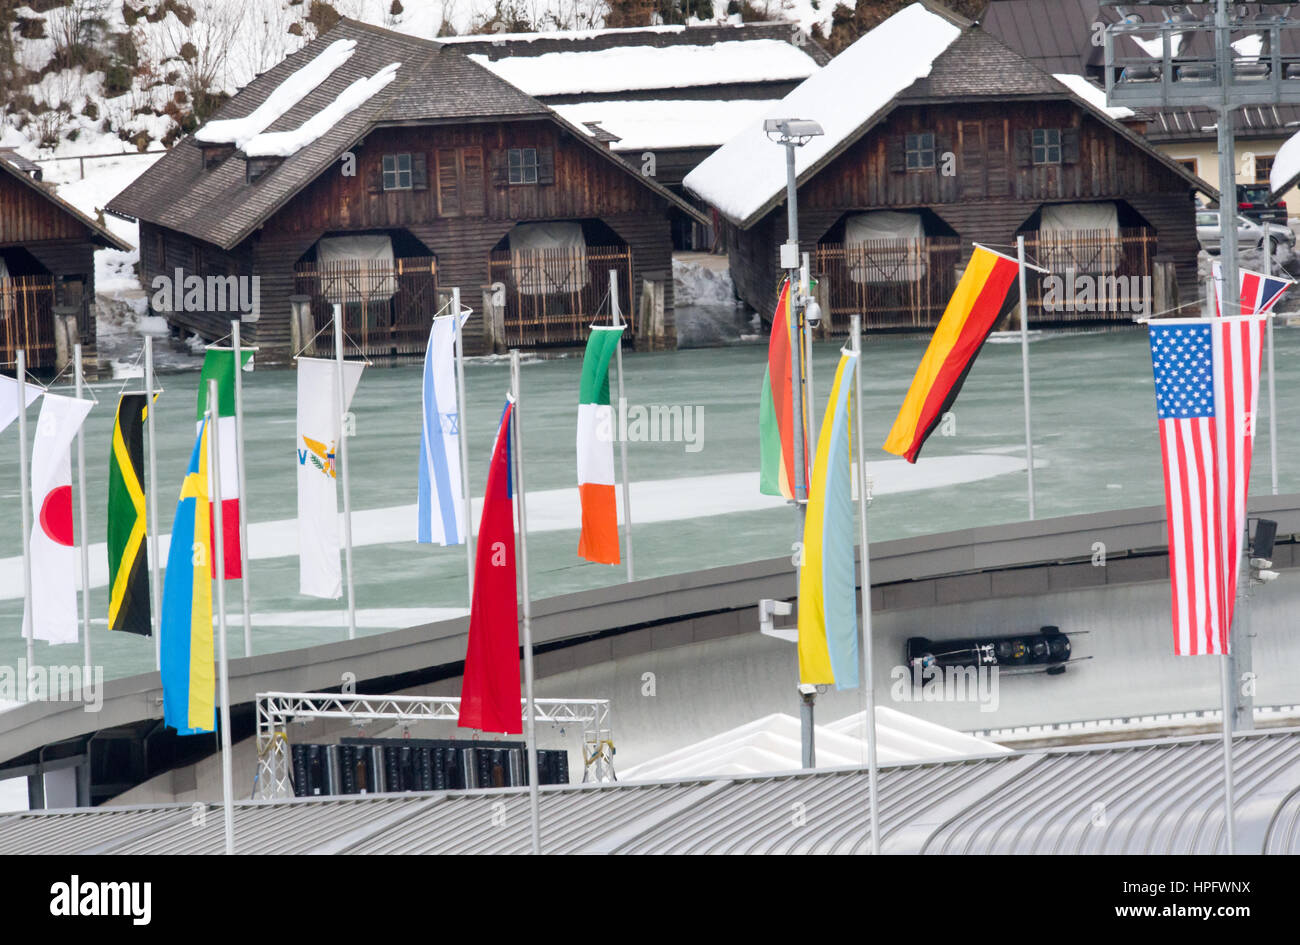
{"points": [[204, 49]]}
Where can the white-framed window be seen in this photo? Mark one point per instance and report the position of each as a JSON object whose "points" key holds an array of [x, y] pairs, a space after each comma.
{"points": [[397, 172], [1047, 145], [920, 151], [523, 165]]}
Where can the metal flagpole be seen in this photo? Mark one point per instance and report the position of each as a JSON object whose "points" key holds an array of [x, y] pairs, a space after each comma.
{"points": [[864, 556], [151, 498], [243, 488], [25, 499], [219, 561], [1024, 369], [1225, 681], [530, 712], [342, 451], [1272, 389], [462, 408], [81, 501], [616, 318]]}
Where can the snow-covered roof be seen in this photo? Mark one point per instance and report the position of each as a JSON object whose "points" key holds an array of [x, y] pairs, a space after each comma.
{"points": [[773, 743], [285, 143], [656, 123], [1092, 94], [560, 34], [842, 97], [633, 68], [1286, 165]]}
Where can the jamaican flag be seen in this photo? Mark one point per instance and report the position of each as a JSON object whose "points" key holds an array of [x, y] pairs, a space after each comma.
{"points": [[128, 560]]}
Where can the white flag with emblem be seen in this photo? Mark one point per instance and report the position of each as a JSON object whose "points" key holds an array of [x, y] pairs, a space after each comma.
{"points": [[319, 430]]}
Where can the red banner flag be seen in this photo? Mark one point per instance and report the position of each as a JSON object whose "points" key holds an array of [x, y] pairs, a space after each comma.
{"points": [[490, 693]]}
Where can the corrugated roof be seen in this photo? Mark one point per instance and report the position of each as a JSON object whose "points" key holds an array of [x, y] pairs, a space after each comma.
{"points": [[1162, 796]]}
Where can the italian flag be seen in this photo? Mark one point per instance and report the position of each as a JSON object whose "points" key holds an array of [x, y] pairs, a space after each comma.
{"points": [[219, 365], [599, 539], [776, 409]]}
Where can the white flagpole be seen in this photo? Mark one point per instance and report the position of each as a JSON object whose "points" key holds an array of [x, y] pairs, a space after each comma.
{"points": [[1272, 403], [462, 408], [25, 498], [219, 560], [1024, 368], [243, 488], [805, 283], [151, 498], [342, 451], [864, 556], [616, 318], [530, 712], [1225, 683], [81, 501]]}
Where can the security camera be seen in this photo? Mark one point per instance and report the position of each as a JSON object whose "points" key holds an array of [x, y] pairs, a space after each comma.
{"points": [[812, 314]]}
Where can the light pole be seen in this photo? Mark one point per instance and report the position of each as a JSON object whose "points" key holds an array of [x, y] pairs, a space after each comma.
{"points": [[794, 133]]}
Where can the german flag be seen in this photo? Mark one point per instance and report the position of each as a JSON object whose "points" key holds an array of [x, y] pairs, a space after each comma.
{"points": [[979, 299], [128, 560]]}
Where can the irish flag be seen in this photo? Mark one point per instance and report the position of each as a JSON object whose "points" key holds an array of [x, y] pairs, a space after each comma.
{"points": [[776, 409], [599, 539], [219, 365]]}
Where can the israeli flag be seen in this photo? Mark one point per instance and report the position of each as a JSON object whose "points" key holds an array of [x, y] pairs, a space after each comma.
{"points": [[442, 500]]}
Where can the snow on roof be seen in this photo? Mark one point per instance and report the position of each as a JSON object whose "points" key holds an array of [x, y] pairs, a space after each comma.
{"points": [[629, 68], [686, 123], [749, 170], [239, 131], [285, 143], [1286, 165], [773, 743], [558, 34], [1093, 95]]}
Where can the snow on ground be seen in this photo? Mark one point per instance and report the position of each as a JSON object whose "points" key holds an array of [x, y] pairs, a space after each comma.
{"points": [[668, 124], [664, 500], [876, 68], [649, 67], [239, 131]]}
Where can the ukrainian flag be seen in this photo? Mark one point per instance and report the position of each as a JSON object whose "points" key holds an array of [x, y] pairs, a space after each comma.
{"points": [[828, 588], [188, 669]]}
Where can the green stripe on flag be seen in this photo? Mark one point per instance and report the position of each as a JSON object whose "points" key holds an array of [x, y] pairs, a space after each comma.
{"points": [[601, 346], [219, 366], [769, 441]]}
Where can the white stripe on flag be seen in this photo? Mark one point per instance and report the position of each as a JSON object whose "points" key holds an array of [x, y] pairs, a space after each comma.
{"points": [[595, 444]]}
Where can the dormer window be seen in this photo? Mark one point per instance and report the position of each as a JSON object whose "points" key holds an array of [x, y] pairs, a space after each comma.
{"points": [[255, 168], [397, 172]]}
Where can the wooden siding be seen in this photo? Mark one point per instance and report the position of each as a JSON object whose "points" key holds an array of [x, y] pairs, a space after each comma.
{"points": [[992, 194], [28, 217]]}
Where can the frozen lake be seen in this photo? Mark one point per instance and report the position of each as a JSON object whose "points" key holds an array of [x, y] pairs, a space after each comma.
{"points": [[1095, 446]]}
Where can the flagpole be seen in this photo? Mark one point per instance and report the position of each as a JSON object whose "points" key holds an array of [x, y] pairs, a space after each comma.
{"points": [[1272, 390], [462, 409], [864, 555], [219, 556], [616, 318], [243, 488], [1225, 683], [81, 501], [809, 398], [530, 724], [151, 499], [25, 498], [1024, 369], [343, 469]]}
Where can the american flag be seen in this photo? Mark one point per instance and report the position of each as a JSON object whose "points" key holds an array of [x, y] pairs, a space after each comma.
{"points": [[1206, 381], [1259, 293]]}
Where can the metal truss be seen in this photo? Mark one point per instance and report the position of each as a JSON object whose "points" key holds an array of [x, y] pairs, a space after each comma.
{"points": [[275, 710]]}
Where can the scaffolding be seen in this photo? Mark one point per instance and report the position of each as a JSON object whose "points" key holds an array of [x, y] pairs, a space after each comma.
{"points": [[275, 710]]}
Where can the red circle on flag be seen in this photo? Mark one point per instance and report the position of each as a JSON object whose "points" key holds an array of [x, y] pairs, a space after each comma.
{"points": [[56, 515]]}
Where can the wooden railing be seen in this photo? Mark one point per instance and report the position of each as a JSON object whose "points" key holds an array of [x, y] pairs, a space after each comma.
{"points": [[27, 319], [891, 283], [387, 310], [1095, 275], [553, 296]]}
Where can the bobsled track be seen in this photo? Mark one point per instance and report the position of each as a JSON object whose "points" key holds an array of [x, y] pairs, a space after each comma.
{"points": [[681, 657]]}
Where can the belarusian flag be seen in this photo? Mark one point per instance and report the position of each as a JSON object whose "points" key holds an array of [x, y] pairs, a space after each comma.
{"points": [[776, 409], [219, 365], [599, 539]]}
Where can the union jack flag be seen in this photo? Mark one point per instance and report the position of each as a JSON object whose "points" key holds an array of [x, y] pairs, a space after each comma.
{"points": [[1259, 293], [1207, 384]]}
